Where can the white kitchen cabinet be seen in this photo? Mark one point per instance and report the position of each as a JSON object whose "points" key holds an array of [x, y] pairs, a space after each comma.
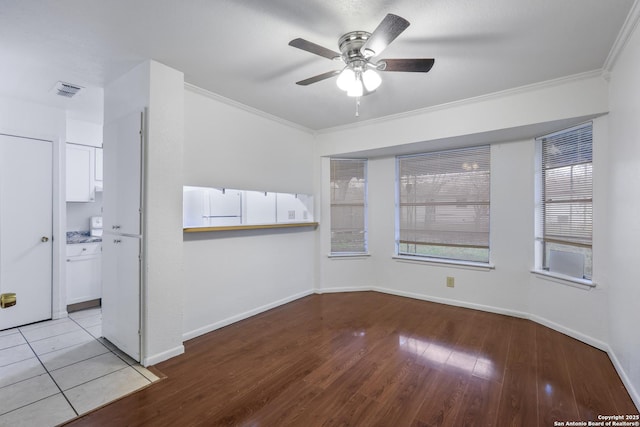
{"points": [[80, 173], [84, 272], [98, 169]]}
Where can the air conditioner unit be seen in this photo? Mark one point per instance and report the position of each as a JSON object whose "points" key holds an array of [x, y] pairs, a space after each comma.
{"points": [[568, 263]]}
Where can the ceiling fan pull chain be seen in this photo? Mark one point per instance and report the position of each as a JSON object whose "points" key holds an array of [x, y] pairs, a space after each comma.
{"points": [[357, 106]]}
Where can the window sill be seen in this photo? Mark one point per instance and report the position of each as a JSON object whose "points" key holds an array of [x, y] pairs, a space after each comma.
{"points": [[349, 255], [446, 262], [565, 280]]}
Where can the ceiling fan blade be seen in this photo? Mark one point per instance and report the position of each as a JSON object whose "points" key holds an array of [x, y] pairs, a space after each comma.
{"points": [[318, 78], [314, 48], [414, 65], [390, 28]]}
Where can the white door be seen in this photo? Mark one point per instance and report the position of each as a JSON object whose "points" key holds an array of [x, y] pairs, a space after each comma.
{"points": [[122, 241], [122, 157], [25, 229], [121, 292]]}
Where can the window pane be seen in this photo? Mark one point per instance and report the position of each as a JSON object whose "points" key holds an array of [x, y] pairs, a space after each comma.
{"points": [[567, 197], [443, 207], [348, 206]]}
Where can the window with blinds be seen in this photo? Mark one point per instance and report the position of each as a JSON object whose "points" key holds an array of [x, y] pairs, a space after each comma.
{"points": [[566, 201], [443, 204], [348, 206]]}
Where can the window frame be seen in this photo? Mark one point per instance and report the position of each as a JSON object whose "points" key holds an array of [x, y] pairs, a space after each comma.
{"points": [[365, 225], [541, 261], [430, 258]]}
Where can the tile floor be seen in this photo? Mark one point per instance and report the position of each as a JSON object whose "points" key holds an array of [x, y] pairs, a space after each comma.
{"points": [[53, 371]]}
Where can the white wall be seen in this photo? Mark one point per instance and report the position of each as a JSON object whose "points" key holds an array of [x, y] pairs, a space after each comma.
{"points": [[624, 215], [79, 214], [574, 96], [231, 275], [500, 289], [163, 218]]}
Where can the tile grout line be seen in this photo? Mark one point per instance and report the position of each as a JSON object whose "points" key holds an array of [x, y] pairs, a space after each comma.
{"points": [[37, 356], [50, 376], [112, 351], [115, 353]]}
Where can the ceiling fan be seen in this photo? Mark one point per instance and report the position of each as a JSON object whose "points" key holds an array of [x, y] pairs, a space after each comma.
{"points": [[357, 50]]}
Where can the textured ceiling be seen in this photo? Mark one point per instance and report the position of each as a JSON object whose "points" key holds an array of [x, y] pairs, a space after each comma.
{"points": [[238, 48]]}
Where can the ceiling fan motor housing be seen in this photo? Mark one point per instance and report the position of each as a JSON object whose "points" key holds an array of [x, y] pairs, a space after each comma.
{"points": [[350, 45]]}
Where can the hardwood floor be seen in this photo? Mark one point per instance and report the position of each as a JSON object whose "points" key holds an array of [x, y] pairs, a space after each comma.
{"points": [[373, 359]]}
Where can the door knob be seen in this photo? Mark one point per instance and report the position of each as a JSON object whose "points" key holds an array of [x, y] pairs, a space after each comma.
{"points": [[44, 239]]}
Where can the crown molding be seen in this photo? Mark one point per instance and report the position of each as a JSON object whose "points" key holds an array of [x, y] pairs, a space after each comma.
{"points": [[211, 95], [469, 101], [629, 26]]}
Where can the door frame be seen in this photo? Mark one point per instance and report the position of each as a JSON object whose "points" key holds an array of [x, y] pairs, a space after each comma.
{"points": [[59, 216]]}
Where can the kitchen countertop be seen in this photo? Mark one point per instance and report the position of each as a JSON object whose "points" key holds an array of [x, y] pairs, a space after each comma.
{"points": [[81, 237]]}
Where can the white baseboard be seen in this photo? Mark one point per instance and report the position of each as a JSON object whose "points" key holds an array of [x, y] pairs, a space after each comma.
{"points": [[161, 357], [59, 314], [229, 320], [456, 303], [345, 289], [635, 396], [570, 332]]}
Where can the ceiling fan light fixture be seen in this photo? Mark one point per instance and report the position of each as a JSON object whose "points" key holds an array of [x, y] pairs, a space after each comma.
{"points": [[346, 79], [371, 80], [356, 89]]}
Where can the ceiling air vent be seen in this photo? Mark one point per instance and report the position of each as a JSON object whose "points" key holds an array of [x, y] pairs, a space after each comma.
{"points": [[67, 89]]}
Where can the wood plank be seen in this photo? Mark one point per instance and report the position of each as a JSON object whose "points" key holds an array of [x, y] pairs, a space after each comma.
{"points": [[492, 357], [555, 394], [591, 394], [443, 398], [404, 399], [479, 405], [518, 402]]}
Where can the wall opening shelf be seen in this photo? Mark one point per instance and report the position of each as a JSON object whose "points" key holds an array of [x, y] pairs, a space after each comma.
{"points": [[249, 227]]}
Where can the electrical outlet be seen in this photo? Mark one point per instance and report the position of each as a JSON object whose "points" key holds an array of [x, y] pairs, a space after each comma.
{"points": [[450, 282]]}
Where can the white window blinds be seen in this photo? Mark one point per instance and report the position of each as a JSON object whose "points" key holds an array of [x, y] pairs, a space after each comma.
{"points": [[348, 206], [444, 204], [567, 194]]}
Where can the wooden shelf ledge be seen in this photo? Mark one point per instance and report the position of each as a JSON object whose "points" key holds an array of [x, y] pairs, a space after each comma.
{"points": [[249, 227]]}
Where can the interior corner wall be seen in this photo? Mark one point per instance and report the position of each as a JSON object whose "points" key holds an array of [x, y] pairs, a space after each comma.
{"points": [[624, 226], [231, 275], [164, 282]]}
